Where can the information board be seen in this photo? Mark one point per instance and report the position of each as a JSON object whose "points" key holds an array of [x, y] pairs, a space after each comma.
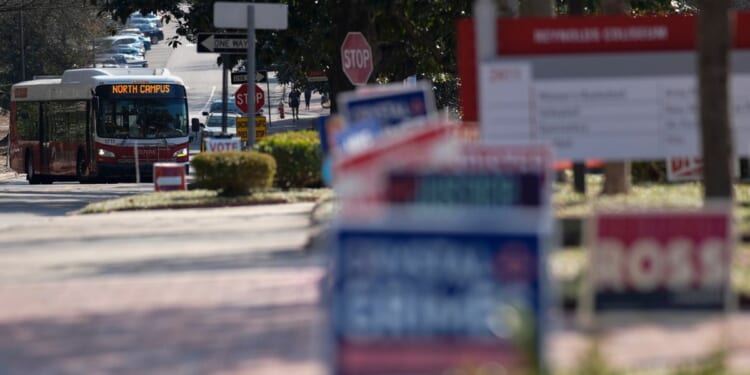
{"points": [[649, 117], [431, 301]]}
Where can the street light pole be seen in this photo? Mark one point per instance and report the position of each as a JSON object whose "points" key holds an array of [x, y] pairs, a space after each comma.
{"points": [[23, 49]]}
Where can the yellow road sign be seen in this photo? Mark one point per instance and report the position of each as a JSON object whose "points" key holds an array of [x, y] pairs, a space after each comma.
{"points": [[260, 128], [242, 128]]}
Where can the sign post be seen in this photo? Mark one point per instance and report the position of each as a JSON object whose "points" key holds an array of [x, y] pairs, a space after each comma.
{"points": [[250, 16], [356, 58]]}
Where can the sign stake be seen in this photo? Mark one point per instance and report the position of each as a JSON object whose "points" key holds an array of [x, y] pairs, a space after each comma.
{"points": [[250, 70]]}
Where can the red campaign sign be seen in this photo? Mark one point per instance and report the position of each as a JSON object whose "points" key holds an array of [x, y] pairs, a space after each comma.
{"points": [[684, 169], [651, 258], [356, 58], [422, 356], [360, 179], [580, 35], [241, 100]]}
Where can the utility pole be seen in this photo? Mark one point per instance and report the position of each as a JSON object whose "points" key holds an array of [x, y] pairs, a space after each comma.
{"points": [[714, 43], [23, 48]]}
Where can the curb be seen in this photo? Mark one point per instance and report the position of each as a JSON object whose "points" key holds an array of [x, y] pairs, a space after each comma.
{"points": [[8, 176]]}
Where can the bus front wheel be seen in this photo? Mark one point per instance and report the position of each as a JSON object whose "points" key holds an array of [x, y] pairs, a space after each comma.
{"points": [[82, 169]]}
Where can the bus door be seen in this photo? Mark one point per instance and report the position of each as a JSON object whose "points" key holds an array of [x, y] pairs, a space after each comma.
{"points": [[44, 144]]}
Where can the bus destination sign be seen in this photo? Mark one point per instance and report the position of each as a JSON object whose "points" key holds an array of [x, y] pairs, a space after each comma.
{"points": [[141, 88]]}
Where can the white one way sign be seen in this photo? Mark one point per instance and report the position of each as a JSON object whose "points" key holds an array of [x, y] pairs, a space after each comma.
{"points": [[222, 43]]}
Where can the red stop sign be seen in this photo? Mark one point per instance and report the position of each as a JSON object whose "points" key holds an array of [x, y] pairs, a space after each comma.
{"points": [[356, 58], [241, 100]]}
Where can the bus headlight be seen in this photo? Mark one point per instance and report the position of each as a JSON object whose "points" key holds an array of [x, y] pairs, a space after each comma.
{"points": [[181, 153], [106, 153]]}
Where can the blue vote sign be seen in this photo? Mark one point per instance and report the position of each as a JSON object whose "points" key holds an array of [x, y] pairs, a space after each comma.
{"points": [[389, 106], [433, 301]]}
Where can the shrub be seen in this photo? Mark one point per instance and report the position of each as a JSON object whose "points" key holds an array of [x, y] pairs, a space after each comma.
{"points": [[649, 171], [298, 158], [234, 172]]}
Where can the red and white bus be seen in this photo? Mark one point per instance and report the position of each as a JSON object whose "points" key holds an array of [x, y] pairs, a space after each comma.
{"points": [[87, 124]]}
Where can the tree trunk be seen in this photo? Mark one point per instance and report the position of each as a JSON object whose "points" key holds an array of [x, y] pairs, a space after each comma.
{"points": [[575, 8], [616, 174], [537, 8], [714, 38]]}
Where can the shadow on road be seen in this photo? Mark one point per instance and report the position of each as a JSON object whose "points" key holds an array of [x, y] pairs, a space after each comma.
{"points": [[178, 264], [176, 341]]}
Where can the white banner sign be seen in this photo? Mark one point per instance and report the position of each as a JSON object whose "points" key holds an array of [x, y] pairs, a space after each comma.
{"points": [[608, 118]]}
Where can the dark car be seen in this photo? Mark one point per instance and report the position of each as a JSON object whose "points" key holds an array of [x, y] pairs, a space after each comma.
{"points": [[148, 28], [215, 107]]}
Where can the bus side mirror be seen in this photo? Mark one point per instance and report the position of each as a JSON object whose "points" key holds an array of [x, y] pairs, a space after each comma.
{"points": [[95, 104], [195, 125]]}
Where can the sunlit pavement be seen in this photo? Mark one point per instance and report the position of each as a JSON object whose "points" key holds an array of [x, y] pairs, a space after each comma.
{"points": [[195, 291]]}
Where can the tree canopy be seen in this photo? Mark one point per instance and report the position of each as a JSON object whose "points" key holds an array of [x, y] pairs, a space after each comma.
{"points": [[45, 37], [408, 37]]}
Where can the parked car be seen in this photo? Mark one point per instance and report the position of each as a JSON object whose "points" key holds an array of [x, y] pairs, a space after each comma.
{"points": [[139, 34], [129, 44], [120, 60], [150, 17], [148, 28]]}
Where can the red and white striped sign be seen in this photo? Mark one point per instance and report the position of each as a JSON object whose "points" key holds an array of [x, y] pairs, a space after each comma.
{"points": [[169, 177], [684, 169]]}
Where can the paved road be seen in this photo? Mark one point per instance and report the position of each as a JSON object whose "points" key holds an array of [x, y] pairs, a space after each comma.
{"points": [[204, 291]]}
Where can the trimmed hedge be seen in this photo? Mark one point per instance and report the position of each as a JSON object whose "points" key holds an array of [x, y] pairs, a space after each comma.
{"points": [[298, 158], [234, 172]]}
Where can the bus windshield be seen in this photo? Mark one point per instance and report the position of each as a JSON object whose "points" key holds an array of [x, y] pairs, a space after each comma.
{"points": [[142, 112]]}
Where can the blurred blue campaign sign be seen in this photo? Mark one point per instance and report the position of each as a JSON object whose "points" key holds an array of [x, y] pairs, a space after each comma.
{"points": [[432, 301], [358, 136], [483, 174], [390, 105]]}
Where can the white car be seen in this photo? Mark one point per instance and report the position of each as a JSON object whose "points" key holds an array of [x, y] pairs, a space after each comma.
{"points": [[121, 60], [213, 124], [129, 44], [137, 32]]}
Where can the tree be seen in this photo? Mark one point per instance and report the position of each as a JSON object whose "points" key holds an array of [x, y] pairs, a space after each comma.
{"points": [[616, 174], [410, 37], [714, 38], [45, 37]]}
